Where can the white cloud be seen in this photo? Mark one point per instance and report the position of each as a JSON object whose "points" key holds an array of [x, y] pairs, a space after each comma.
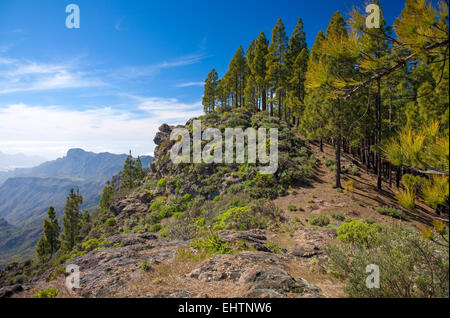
{"points": [[190, 84], [22, 76], [50, 131], [131, 72]]}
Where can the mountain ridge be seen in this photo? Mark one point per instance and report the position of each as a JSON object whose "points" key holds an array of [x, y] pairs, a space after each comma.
{"points": [[26, 194]]}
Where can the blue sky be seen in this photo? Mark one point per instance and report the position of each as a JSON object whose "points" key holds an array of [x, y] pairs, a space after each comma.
{"points": [[130, 66]]}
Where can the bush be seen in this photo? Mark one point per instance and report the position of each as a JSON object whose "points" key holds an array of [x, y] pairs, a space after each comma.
{"points": [[350, 170], [239, 218], [409, 266], [46, 293], [357, 232], [156, 227], [337, 216], [413, 183], [145, 266], [329, 162], [319, 220], [110, 222], [390, 211], [162, 183], [273, 247], [406, 198], [212, 244], [292, 207]]}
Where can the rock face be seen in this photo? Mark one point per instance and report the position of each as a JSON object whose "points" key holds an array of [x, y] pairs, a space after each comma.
{"points": [[261, 272], [135, 203], [7, 292], [274, 283], [255, 238]]}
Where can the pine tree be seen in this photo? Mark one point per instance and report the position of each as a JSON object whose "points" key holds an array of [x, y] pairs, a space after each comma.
{"points": [[329, 71], [258, 68], [128, 173], [276, 66], [70, 235], [107, 195], [138, 170], [210, 95], [235, 77], [297, 61], [49, 243]]}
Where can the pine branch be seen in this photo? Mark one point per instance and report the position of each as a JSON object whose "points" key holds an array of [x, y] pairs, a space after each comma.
{"points": [[400, 64]]}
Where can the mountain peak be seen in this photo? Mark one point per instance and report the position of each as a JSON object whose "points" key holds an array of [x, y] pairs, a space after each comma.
{"points": [[75, 152]]}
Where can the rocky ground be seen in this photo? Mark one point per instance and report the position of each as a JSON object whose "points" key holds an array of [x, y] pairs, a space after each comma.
{"points": [[117, 272]]}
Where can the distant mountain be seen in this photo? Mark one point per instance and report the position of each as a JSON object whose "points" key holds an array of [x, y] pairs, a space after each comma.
{"points": [[77, 164], [27, 193]]}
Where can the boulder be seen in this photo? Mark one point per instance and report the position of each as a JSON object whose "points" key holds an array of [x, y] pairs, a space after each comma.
{"points": [[8, 291]]}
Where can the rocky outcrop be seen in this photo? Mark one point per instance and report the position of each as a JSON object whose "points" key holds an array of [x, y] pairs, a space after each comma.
{"points": [[138, 202], [310, 242], [7, 292], [275, 283], [256, 239], [262, 273]]}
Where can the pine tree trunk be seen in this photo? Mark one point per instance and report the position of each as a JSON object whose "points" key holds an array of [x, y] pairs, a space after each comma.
{"points": [[338, 161], [263, 99], [279, 107], [271, 102], [378, 137], [321, 144]]}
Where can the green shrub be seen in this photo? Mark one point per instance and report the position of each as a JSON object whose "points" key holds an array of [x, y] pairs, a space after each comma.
{"points": [[110, 222], [357, 232], [338, 216], [409, 266], [145, 265], [406, 198], [93, 244], [390, 211], [212, 244], [162, 183], [292, 207], [273, 247], [156, 227], [350, 169], [319, 220], [413, 183], [46, 293], [239, 218], [330, 162]]}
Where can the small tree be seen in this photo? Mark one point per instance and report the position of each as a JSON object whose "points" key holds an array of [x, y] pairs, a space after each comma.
{"points": [[49, 243], [107, 195], [70, 235], [128, 173]]}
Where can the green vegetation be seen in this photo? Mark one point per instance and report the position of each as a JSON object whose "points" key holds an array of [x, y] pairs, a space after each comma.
{"points": [[145, 266], [390, 211], [409, 265], [212, 244], [319, 220], [46, 293], [49, 244], [337, 216], [357, 232]]}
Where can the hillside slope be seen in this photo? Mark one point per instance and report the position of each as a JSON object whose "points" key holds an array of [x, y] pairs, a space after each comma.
{"points": [[223, 230]]}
